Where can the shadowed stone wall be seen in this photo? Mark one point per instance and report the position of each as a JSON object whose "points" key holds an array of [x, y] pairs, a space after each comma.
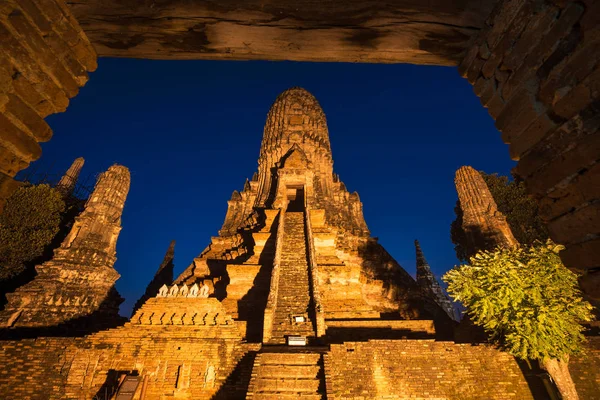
{"points": [[536, 68]]}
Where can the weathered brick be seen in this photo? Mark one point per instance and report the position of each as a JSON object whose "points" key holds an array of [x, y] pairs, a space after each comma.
{"points": [[474, 70], [10, 163], [537, 27], [582, 256], [21, 144], [500, 22], [42, 52], [27, 66], [548, 43], [496, 105], [583, 189], [538, 129], [518, 114], [575, 133], [70, 31], [507, 40], [571, 71], [574, 227], [34, 124], [579, 97]]}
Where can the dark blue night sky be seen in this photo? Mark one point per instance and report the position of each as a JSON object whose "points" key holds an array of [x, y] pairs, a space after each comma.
{"points": [[190, 133]]}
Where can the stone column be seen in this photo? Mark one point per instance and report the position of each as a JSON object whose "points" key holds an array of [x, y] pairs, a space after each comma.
{"points": [[79, 280], [44, 60], [69, 179], [536, 67], [484, 226], [430, 286]]}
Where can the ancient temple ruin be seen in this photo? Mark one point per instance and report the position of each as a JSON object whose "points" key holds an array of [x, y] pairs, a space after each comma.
{"points": [[293, 299], [78, 282]]}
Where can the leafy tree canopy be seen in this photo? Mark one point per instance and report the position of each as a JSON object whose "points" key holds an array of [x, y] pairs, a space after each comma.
{"points": [[521, 211], [525, 298], [30, 220]]}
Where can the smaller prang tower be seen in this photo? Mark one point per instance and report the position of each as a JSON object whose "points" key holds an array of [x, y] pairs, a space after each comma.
{"points": [[430, 285], [484, 225], [67, 183], [79, 280]]}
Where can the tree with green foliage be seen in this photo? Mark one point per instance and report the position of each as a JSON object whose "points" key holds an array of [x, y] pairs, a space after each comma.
{"points": [[30, 220], [528, 302], [521, 211]]}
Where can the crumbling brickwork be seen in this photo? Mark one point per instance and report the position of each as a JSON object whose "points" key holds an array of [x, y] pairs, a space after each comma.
{"points": [[404, 369]]}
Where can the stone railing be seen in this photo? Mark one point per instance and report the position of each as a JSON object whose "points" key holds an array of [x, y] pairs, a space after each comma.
{"points": [[274, 288], [312, 265]]}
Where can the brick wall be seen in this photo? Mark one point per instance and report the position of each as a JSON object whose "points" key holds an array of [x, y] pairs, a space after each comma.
{"points": [[422, 369], [34, 369], [536, 68]]}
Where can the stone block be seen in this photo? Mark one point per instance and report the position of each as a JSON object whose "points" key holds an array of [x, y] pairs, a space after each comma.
{"points": [[574, 159], [37, 46], [579, 97], [582, 189], [28, 118], [575, 226], [20, 143], [537, 27], [539, 53], [532, 135], [582, 256], [518, 114]]}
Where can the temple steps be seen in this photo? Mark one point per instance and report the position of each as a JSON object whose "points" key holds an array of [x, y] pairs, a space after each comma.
{"points": [[293, 296], [287, 375]]}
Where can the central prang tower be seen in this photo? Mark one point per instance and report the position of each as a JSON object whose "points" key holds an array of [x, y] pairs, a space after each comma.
{"points": [[294, 260]]}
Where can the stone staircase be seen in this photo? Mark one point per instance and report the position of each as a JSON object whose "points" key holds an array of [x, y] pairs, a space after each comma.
{"points": [[287, 375], [293, 296]]}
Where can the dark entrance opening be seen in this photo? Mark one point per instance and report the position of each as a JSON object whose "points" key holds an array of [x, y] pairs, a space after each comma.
{"points": [[295, 197]]}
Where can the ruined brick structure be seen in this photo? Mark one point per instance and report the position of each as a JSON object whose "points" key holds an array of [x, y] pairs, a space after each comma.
{"points": [[67, 182], [292, 299], [484, 225], [78, 282]]}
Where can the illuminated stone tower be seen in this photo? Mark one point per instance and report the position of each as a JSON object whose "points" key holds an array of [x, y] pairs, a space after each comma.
{"points": [[484, 225], [79, 280]]}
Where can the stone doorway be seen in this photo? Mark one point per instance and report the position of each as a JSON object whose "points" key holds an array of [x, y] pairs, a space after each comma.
{"points": [[295, 198]]}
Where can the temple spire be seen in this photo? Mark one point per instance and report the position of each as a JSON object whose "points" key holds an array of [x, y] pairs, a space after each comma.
{"points": [[163, 276], [79, 280], [484, 225], [429, 284], [69, 179]]}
